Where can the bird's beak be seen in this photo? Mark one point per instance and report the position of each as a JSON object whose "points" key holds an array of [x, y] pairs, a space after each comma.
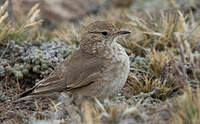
{"points": [[122, 32]]}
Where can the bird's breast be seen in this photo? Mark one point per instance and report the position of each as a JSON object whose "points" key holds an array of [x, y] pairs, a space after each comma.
{"points": [[116, 70]]}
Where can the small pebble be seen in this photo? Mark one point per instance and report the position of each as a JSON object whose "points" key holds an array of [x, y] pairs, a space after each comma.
{"points": [[3, 97]]}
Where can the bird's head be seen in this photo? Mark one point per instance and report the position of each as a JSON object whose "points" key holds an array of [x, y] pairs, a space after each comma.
{"points": [[98, 35]]}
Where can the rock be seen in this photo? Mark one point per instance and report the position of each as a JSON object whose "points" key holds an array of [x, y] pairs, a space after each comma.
{"points": [[57, 10], [3, 97], [122, 3]]}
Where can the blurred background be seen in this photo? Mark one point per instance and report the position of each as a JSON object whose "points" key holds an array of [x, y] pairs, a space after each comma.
{"points": [[57, 11], [164, 52]]}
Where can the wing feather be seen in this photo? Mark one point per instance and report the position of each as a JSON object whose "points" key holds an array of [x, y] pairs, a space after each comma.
{"points": [[76, 71]]}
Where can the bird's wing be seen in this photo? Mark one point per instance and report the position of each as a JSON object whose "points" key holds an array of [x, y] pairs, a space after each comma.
{"points": [[76, 71]]}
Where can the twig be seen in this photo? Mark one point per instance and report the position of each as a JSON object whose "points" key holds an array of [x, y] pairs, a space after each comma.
{"points": [[5, 50]]}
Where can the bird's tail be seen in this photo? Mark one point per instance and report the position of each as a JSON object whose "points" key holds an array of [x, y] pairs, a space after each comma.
{"points": [[23, 95]]}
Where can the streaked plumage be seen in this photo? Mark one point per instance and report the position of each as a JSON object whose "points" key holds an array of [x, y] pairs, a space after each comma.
{"points": [[99, 68]]}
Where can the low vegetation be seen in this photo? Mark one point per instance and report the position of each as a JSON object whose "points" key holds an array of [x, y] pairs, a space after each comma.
{"points": [[163, 83]]}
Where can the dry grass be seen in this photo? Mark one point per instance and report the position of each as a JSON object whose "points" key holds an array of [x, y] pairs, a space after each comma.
{"points": [[13, 30], [108, 113], [187, 108], [166, 41], [68, 33], [166, 59], [159, 61]]}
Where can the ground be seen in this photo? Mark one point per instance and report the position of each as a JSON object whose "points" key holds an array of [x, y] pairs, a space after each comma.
{"points": [[164, 51]]}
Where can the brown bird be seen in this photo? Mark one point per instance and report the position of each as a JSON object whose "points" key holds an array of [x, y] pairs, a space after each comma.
{"points": [[99, 68]]}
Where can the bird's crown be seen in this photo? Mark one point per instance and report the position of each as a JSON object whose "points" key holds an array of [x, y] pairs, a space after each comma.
{"points": [[101, 26]]}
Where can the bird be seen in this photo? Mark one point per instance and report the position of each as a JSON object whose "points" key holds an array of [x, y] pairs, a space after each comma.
{"points": [[99, 68]]}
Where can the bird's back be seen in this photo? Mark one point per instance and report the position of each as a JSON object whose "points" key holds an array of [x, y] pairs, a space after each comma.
{"points": [[76, 71]]}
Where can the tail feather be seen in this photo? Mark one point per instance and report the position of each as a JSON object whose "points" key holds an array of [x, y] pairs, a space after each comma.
{"points": [[28, 92], [24, 94], [45, 87]]}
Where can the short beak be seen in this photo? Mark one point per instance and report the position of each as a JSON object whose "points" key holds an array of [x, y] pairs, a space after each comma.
{"points": [[123, 32]]}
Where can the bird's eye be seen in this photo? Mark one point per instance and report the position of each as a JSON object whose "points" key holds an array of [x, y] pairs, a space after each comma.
{"points": [[104, 33]]}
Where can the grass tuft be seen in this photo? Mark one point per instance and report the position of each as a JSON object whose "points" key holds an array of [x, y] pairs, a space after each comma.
{"points": [[18, 32], [187, 108]]}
